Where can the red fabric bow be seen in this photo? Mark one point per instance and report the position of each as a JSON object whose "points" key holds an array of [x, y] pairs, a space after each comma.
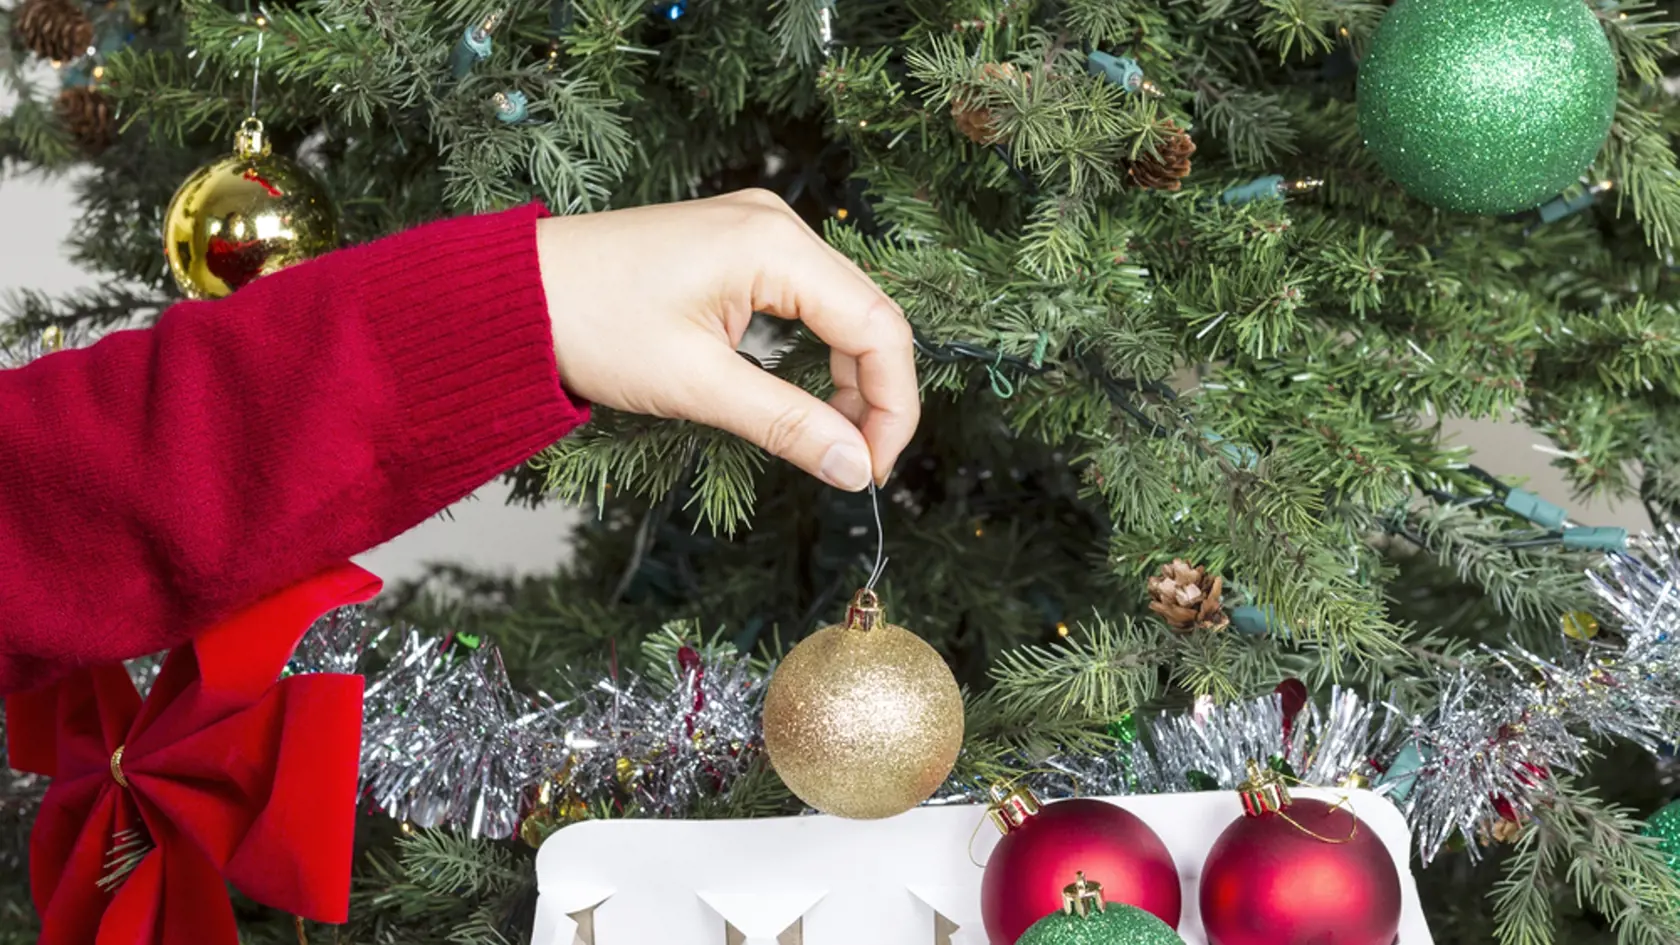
{"points": [[233, 777]]}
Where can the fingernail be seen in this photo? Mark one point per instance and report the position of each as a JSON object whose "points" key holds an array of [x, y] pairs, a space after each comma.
{"points": [[846, 467]]}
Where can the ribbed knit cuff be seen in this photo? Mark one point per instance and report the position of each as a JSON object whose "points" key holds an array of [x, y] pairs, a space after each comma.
{"points": [[458, 309]]}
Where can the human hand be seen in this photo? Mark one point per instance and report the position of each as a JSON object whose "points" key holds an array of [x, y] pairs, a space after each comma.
{"points": [[649, 304]]}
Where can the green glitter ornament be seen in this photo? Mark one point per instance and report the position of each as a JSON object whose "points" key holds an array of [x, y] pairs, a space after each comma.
{"points": [[1086, 920], [1487, 107], [1664, 825]]}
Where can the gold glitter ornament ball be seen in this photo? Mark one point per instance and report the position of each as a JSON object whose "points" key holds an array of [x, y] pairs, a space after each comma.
{"points": [[245, 216], [1487, 106], [863, 719]]}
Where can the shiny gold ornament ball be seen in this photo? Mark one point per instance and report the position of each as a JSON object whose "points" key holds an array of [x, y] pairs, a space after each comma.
{"points": [[863, 719], [245, 216]]}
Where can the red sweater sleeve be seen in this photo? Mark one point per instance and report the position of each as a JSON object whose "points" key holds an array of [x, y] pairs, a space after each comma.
{"points": [[161, 479]]}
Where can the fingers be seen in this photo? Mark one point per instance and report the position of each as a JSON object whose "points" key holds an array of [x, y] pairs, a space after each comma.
{"points": [[851, 405], [802, 278], [886, 433], [783, 419]]}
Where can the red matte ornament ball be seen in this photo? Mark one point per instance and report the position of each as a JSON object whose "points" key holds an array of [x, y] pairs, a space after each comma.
{"points": [[1267, 881], [1029, 867]]}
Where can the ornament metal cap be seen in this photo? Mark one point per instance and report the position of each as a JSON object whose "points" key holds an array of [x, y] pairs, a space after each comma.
{"points": [[1082, 897], [1263, 791], [865, 612], [1011, 806], [250, 141]]}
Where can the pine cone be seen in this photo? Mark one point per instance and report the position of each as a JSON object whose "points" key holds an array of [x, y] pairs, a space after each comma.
{"points": [[973, 118], [1165, 170], [1187, 597], [53, 29], [86, 115]]}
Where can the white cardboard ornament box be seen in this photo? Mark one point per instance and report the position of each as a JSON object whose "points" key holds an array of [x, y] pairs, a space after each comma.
{"points": [[819, 880]]}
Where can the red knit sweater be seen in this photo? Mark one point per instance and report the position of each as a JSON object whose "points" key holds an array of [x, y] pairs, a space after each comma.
{"points": [[161, 479]]}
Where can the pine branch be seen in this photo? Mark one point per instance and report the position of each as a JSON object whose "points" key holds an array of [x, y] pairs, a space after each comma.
{"points": [[797, 25], [450, 863], [1102, 671], [29, 312], [30, 135], [1639, 158], [481, 929], [1638, 34], [1254, 125], [723, 484], [642, 457], [1619, 874], [1003, 740], [760, 793], [1107, 23], [1311, 27], [1528, 585]]}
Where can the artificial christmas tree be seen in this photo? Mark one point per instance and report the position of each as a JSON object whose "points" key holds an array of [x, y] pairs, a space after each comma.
{"points": [[985, 162]]}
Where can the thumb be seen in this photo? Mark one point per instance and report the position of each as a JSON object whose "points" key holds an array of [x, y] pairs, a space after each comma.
{"points": [[788, 422]]}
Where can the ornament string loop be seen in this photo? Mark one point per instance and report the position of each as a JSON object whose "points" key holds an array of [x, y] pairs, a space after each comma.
{"points": [[1011, 805], [116, 768], [975, 835], [1318, 836], [1264, 792]]}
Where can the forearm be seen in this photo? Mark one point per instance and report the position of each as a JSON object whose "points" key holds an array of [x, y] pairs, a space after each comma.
{"points": [[163, 478]]}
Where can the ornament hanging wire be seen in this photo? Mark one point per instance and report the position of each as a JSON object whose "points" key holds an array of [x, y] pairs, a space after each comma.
{"points": [[256, 62], [880, 539]]}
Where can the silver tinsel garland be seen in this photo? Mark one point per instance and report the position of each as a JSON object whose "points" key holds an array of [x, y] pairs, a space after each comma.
{"points": [[1193, 751], [447, 739], [1500, 731], [1502, 725], [670, 741]]}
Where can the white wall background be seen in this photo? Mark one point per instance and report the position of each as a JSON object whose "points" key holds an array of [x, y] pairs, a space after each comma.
{"points": [[35, 218]]}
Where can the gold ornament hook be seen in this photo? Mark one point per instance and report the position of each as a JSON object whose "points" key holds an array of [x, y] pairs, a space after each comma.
{"points": [[1082, 897], [250, 141], [1011, 805], [865, 612], [1264, 791]]}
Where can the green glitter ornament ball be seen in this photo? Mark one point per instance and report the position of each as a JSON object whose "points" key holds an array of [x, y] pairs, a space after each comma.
{"points": [[1665, 826], [1114, 924], [1487, 106]]}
